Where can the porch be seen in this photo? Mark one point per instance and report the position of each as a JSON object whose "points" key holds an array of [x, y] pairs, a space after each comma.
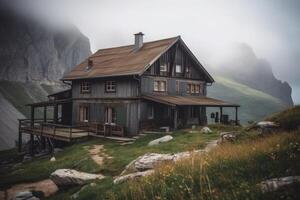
{"points": [[185, 111]]}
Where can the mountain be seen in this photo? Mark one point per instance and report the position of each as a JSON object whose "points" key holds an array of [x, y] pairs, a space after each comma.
{"points": [[255, 104], [32, 51], [244, 67], [33, 57]]}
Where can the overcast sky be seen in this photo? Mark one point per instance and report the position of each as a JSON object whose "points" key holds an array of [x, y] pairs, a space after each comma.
{"points": [[270, 27]]}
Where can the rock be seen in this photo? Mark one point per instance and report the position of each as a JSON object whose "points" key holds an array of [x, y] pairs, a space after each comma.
{"points": [[205, 130], [52, 159], [166, 138], [132, 176], [148, 161], [267, 124], [26, 195], [67, 177], [277, 183], [228, 136]]}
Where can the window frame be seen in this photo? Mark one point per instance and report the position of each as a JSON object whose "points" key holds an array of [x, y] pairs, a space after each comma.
{"points": [[158, 85], [110, 86], [163, 68], [84, 113], [85, 87]]}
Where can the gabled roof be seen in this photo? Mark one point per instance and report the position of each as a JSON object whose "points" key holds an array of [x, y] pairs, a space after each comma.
{"points": [[122, 61], [188, 101]]}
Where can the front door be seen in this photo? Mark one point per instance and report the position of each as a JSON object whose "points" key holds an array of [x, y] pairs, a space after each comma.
{"points": [[110, 115]]}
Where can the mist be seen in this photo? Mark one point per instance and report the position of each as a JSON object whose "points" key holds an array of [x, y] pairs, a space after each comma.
{"points": [[209, 28]]}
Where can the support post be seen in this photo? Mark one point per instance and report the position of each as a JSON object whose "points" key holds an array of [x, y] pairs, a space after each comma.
{"points": [[236, 116], [221, 114], [45, 113], [20, 141], [31, 144], [32, 116], [55, 117], [175, 118]]}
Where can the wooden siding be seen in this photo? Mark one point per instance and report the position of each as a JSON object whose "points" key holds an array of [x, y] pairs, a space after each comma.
{"points": [[127, 112], [181, 58], [147, 86], [125, 87]]}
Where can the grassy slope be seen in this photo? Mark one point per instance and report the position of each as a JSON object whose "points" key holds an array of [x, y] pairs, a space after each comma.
{"points": [[288, 119], [255, 105], [232, 171], [76, 157]]}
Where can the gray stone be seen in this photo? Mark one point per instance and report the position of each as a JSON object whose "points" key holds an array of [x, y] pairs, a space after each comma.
{"points": [[166, 138], [67, 177], [205, 130], [277, 183], [25, 195], [267, 124], [132, 176], [228, 136], [148, 161]]}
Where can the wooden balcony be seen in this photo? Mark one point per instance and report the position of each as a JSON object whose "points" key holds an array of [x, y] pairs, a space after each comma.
{"points": [[53, 131]]}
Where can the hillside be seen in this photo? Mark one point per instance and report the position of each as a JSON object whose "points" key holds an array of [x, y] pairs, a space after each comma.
{"points": [[244, 66], [255, 104]]}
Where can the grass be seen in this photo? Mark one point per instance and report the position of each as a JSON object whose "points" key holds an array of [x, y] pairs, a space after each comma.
{"points": [[75, 156], [288, 119], [232, 171]]}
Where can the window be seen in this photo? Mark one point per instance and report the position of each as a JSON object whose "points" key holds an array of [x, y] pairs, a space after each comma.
{"points": [[193, 89], [85, 87], [83, 113], [110, 115], [197, 89], [178, 69], [163, 68], [150, 112], [160, 86], [110, 86]]}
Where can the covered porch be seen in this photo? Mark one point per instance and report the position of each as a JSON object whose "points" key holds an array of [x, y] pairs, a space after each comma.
{"points": [[185, 111]]}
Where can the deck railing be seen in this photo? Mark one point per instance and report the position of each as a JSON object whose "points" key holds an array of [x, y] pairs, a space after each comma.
{"points": [[41, 127]]}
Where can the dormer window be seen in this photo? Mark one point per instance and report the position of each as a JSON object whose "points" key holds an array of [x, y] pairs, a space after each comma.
{"points": [[85, 87], [110, 86], [178, 69]]}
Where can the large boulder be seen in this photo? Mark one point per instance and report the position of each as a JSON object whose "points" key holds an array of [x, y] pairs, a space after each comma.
{"points": [[205, 130], [277, 183], [68, 177], [132, 176], [228, 136], [148, 161], [166, 138], [267, 124]]}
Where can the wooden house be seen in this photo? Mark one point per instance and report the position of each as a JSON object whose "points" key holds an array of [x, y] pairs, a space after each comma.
{"points": [[124, 90]]}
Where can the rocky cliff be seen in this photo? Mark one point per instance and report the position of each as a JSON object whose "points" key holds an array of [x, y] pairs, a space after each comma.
{"points": [[33, 57], [244, 67], [30, 51]]}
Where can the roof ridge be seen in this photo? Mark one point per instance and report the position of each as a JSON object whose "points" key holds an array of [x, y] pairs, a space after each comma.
{"points": [[93, 55]]}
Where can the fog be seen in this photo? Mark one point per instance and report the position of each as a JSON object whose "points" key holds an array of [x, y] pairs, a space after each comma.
{"points": [[209, 28]]}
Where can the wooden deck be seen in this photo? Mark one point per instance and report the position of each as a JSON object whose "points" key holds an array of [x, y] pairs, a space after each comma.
{"points": [[53, 131]]}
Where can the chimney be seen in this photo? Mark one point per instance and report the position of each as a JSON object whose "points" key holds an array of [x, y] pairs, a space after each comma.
{"points": [[138, 41]]}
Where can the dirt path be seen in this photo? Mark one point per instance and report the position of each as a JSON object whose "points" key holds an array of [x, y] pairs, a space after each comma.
{"points": [[46, 186], [95, 154]]}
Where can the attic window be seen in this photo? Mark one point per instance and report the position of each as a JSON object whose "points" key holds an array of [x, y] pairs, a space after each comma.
{"points": [[163, 68], [90, 65], [178, 69], [110, 86]]}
